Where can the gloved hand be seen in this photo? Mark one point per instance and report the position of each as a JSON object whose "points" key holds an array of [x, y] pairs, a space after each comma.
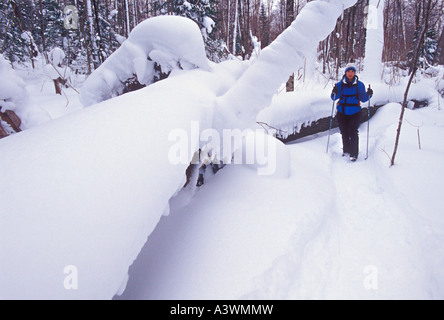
{"points": [[369, 92], [335, 90]]}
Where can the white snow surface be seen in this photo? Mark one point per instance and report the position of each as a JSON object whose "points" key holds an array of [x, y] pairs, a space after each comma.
{"points": [[86, 191], [12, 87], [56, 56], [54, 68], [332, 230]]}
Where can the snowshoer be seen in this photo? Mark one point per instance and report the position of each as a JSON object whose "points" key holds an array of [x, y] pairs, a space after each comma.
{"points": [[350, 92]]}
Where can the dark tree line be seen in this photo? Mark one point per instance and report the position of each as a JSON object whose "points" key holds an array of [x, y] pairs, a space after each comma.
{"points": [[31, 27]]}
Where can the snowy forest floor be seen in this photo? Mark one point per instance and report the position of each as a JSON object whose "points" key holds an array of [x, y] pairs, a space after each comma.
{"points": [[333, 230]]}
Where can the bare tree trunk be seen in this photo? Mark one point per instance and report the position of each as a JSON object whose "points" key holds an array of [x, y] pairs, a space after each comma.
{"points": [[228, 23], [414, 69], [57, 87], [289, 19], [84, 34], [11, 118], [96, 15], [42, 31], [402, 25], [2, 132], [128, 30], [247, 27], [236, 20], [440, 55]]}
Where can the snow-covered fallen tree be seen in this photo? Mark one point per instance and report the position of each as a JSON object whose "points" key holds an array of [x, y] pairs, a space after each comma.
{"points": [[289, 112], [86, 190], [171, 42]]}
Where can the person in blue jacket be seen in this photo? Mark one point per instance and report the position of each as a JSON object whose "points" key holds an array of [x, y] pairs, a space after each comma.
{"points": [[350, 92]]}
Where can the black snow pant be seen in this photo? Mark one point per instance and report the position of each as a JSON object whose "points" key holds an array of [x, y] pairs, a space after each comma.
{"points": [[349, 125]]}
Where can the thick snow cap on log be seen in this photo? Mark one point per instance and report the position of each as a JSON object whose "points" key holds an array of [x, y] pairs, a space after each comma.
{"points": [[177, 38], [255, 89]]}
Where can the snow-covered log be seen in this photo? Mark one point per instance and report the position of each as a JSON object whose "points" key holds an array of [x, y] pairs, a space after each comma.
{"points": [[83, 192], [172, 42]]}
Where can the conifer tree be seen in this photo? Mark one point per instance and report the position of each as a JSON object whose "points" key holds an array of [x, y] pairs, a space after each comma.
{"points": [[203, 12], [14, 23]]}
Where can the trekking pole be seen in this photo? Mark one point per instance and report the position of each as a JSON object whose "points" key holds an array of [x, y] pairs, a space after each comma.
{"points": [[368, 123], [331, 120]]}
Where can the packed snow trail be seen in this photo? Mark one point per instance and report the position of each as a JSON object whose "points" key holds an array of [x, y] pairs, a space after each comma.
{"points": [[368, 215], [213, 247], [376, 244]]}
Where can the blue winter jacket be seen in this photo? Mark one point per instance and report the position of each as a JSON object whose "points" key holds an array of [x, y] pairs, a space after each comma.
{"points": [[351, 94]]}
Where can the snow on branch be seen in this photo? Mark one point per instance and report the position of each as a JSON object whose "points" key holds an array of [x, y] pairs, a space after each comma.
{"points": [[255, 89], [171, 42]]}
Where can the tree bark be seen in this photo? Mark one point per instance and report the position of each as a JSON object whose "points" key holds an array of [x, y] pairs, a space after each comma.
{"points": [[414, 69], [57, 87], [84, 34], [42, 33], [2, 132], [96, 16], [440, 56], [288, 20], [10, 117]]}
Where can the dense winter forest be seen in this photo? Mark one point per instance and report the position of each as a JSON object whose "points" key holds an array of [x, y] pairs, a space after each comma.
{"points": [[88, 31]]}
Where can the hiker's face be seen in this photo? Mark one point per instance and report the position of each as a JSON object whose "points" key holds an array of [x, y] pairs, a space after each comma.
{"points": [[350, 74]]}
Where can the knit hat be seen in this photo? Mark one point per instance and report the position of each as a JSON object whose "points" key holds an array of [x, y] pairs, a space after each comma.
{"points": [[350, 67]]}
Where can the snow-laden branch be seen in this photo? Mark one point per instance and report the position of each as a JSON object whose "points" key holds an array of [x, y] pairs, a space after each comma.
{"points": [[170, 41], [255, 89]]}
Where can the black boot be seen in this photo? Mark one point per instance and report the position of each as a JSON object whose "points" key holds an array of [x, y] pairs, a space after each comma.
{"points": [[200, 180]]}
